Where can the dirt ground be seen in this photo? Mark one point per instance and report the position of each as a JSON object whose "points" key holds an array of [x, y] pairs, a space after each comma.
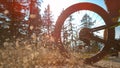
{"points": [[109, 63]]}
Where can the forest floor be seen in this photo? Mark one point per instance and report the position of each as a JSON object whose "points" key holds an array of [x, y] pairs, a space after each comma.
{"points": [[29, 56]]}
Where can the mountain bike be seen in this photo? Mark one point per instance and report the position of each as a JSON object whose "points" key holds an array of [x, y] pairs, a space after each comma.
{"points": [[88, 34]]}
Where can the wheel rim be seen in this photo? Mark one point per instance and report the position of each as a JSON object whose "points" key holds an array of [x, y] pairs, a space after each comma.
{"points": [[108, 34]]}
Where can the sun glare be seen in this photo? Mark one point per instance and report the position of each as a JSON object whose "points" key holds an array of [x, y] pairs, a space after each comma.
{"points": [[57, 6]]}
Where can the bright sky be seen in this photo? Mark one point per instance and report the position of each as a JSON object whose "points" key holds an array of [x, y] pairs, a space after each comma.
{"points": [[57, 6]]}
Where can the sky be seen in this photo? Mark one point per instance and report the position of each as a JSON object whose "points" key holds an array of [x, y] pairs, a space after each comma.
{"points": [[57, 6]]}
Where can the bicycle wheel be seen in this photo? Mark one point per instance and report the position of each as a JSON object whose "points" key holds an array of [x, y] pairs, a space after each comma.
{"points": [[108, 33]]}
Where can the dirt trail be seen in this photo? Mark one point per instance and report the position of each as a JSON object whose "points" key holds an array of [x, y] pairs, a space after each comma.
{"points": [[110, 63]]}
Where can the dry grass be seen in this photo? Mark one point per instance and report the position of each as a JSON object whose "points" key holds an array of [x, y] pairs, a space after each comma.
{"points": [[27, 55]]}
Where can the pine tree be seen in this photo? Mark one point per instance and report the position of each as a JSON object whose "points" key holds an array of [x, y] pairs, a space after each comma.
{"points": [[47, 20], [13, 14], [34, 20], [87, 21]]}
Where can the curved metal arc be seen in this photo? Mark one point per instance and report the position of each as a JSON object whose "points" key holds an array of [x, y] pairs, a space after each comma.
{"points": [[77, 7], [108, 34]]}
